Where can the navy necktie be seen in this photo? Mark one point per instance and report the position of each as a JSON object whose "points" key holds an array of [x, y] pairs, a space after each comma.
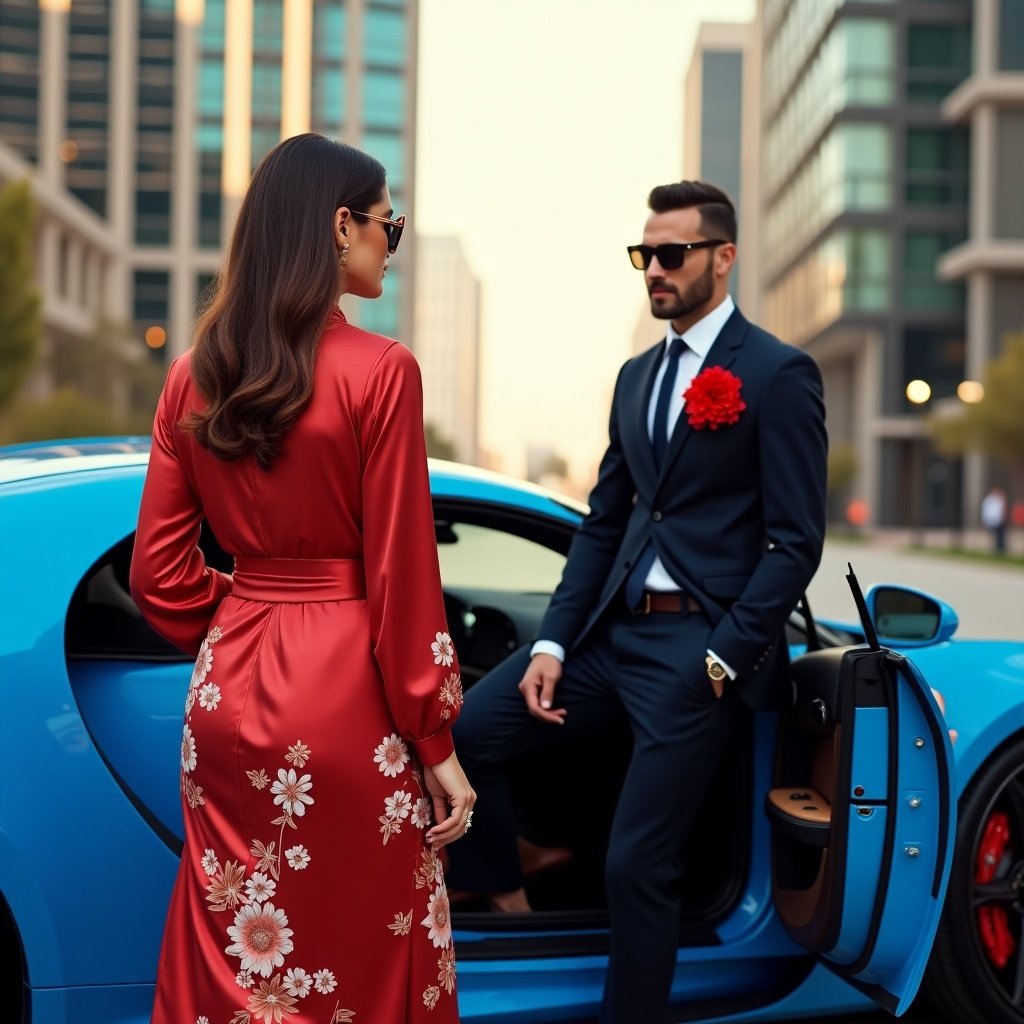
{"points": [[659, 443]]}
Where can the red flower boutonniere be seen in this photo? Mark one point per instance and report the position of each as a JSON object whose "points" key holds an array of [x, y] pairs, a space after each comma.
{"points": [[713, 399]]}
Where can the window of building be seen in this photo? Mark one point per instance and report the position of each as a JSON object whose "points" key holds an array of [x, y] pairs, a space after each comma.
{"points": [[329, 100], [936, 356], [266, 90], [152, 217], [922, 288], [329, 30], [1011, 35], [869, 52], [938, 60], [389, 149], [862, 268], [866, 153], [936, 171], [382, 316], [212, 35], [267, 26], [1009, 212], [211, 87], [384, 37], [150, 298], [383, 99]]}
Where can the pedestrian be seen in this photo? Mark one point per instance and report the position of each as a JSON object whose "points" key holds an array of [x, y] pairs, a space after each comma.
{"points": [[993, 517], [317, 736], [705, 527]]}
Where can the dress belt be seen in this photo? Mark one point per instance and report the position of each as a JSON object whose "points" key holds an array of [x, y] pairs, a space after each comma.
{"points": [[295, 580]]}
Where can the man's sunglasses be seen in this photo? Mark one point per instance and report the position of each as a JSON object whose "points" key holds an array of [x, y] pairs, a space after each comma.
{"points": [[394, 228], [670, 255]]}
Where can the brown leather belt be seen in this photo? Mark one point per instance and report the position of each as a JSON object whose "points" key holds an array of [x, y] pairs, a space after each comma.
{"points": [[658, 601]]}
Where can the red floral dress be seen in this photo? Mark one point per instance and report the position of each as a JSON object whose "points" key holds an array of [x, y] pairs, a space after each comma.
{"points": [[324, 679]]}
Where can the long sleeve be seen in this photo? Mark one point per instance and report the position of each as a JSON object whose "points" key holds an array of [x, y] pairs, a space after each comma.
{"points": [[793, 455], [595, 544], [171, 583], [403, 583]]}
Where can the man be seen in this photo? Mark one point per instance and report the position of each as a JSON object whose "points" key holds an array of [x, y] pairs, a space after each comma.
{"points": [[705, 526]]}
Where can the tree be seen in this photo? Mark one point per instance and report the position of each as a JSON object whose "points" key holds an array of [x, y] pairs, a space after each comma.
{"points": [[995, 425], [107, 383], [438, 446], [20, 304]]}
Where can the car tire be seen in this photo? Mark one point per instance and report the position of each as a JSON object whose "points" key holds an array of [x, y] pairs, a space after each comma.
{"points": [[977, 963]]}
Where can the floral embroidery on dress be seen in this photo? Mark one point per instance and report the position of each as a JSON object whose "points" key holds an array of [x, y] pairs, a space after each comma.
{"points": [[451, 691], [226, 887], [209, 697], [438, 920], [298, 754], [402, 924], [297, 982], [244, 979], [270, 1002], [443, 650], [344, 1016], [391, 756], [292, 792], [260, 888], [259, 779], [203, 1020], [188, 750], [324, 981], [266, 858], [446, 969], [261, 938], [421, 813], [431, 996], [210, 863], [297, 857]]}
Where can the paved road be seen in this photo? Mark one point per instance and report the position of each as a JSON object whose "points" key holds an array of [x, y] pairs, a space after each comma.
{"points": [[989, 598]]}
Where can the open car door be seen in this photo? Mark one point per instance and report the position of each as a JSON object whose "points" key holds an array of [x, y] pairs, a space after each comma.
{"points": [[863, 817]]}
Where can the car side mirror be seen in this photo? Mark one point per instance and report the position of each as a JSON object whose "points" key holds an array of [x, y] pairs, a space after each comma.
{"points": [[904, 617]]}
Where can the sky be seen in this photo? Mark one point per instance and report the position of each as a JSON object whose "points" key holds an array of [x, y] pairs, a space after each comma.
{"points": [[542, 126]]}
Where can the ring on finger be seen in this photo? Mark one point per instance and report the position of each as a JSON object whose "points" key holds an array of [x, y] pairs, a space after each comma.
{"points": [[469, 821]]}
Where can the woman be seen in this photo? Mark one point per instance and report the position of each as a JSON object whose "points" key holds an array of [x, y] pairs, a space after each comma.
{"points": [[316, 747]]}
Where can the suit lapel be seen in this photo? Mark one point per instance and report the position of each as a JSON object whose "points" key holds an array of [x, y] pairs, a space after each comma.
{"points": [[722, 353], [640, 439]]}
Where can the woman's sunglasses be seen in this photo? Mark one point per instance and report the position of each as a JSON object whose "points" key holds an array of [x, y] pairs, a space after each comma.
{"points": [[394, 228], [670, 255]]}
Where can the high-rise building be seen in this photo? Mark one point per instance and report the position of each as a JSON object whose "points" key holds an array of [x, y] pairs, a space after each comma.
{"points": [[864, 187], [989, 105], [721, 129], [447, 342], [151, 115]]}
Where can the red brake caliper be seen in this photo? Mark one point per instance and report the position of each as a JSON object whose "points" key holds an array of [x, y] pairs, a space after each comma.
{"points": [[992, 921]]}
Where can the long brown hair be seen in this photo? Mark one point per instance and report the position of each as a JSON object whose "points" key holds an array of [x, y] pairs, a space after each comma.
{"points": [[256, 343]]}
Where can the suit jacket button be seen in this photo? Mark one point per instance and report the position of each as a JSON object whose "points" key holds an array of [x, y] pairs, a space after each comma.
{"points": [[656, 516]]}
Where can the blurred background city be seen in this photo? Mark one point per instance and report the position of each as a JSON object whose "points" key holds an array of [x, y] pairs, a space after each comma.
{"points": [[873, 147]]}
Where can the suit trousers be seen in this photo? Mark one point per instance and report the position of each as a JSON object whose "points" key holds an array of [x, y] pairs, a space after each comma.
{"points": [[652, 669]]}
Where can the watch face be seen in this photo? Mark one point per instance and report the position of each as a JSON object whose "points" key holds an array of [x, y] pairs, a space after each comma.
{"points": [[716, 671]]}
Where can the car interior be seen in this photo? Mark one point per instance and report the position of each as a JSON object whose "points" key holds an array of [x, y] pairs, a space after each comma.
{"points": [[499, 567]]}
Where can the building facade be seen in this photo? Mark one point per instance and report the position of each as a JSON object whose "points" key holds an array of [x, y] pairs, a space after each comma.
{"points": [[149, 116], [864, 187], [447, 340], [989, 106]]}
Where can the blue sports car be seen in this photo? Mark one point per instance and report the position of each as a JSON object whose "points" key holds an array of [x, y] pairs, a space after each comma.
{"points": [[816, 876]]}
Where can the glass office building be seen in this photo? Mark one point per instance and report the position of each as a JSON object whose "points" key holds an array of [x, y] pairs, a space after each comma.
{"points": [[864, 188], [152, 114]]}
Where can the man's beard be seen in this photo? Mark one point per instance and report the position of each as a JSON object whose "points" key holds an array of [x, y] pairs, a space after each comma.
{"points": [[698, 294]]}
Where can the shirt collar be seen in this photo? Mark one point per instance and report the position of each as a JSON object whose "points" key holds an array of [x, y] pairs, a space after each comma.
{"points": [[701, 336]]}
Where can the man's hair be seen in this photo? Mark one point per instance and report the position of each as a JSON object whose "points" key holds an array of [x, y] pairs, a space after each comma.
{"points": [[717, 214]]}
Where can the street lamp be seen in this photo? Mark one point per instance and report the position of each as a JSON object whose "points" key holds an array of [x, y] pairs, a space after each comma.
{"points": [[970, 391], [918, 392]]}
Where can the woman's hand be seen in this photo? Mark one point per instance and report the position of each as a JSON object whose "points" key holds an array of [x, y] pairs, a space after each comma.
{"points": [[453, 799]]}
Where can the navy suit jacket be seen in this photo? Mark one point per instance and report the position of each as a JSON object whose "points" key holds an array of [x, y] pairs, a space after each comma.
{"points": [[737, 514]]}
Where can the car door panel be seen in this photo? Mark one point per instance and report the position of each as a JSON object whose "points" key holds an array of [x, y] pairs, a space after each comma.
{"points": [[862, 815]]}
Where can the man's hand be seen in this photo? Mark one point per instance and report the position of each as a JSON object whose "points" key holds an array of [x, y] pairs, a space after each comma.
{"points": [[538, 688]]}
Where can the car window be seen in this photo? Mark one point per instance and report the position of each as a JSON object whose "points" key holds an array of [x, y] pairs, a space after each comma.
{"points": [[478, 557]]}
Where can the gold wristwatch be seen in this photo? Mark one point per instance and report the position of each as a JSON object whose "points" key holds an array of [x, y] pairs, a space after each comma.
{"points": [[716, 670]]}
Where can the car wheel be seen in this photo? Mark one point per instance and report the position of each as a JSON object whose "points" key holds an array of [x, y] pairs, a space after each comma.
{"points": [[976, 970]]}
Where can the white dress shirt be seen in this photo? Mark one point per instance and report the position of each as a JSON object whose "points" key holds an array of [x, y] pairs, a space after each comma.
{"points": [[698, 341]]}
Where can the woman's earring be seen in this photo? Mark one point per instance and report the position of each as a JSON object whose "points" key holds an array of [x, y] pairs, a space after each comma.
{"points": [[343, 255]]}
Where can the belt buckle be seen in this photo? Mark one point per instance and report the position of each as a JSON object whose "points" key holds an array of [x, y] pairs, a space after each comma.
{"points": [[645, 607]]}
